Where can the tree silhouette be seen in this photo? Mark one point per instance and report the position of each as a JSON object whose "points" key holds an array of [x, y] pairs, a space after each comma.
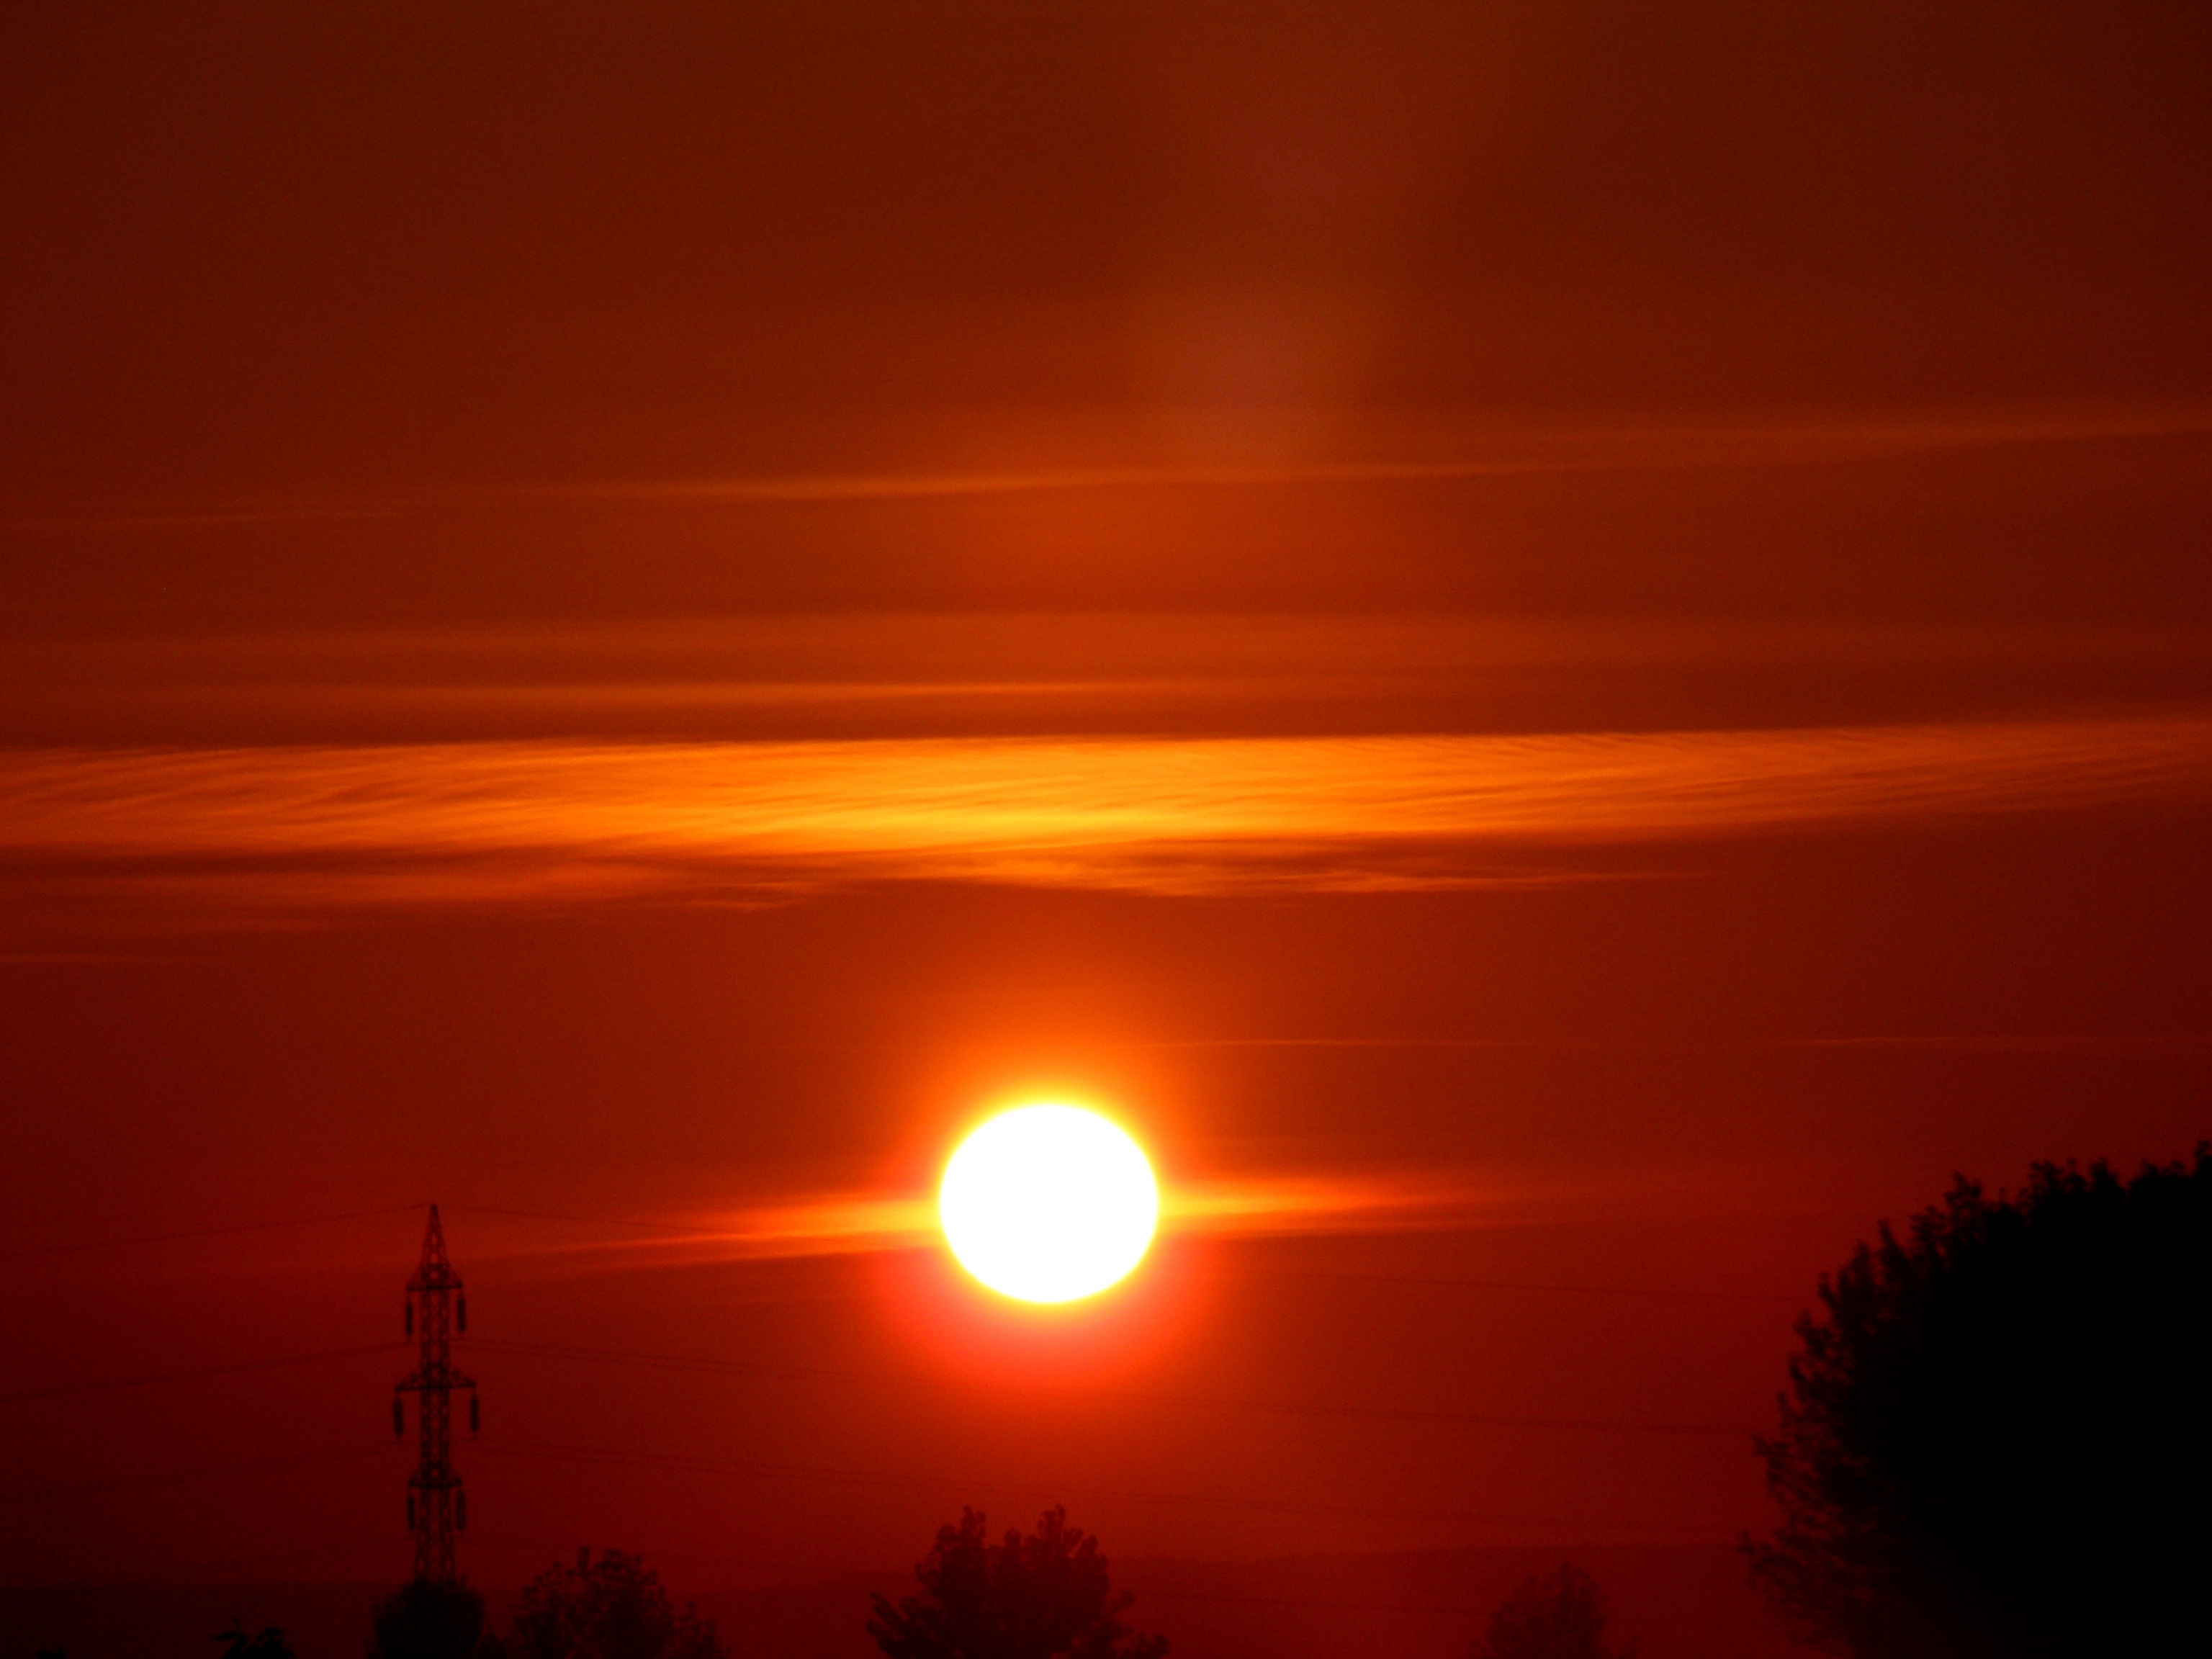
{"points": [[1993, 1440], [1043, 1596], [610, 1608], [428, 1620], [1554, 1615]]}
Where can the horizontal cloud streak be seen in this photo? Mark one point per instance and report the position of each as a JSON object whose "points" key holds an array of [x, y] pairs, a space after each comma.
{"points": [[847, 1223], [439, 822], [844, 677]]}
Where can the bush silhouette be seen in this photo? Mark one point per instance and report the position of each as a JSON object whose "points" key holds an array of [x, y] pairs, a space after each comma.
{"points": [[1993, 1441], [269, 1645], [428, 1620], [1554, 1615], [1043, 1596], [610, 1608]]}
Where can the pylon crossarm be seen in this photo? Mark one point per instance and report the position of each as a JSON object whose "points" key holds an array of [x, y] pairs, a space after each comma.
{"points": [[416, 1382]]}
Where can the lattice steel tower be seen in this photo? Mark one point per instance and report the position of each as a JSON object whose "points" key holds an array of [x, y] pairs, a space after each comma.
{"points": [[436, 1506]]}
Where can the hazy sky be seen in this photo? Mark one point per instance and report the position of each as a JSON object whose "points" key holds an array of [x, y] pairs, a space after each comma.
{"points": [[1566, 649]]}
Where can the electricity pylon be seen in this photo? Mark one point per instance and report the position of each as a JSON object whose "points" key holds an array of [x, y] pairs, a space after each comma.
{"points": [[436, 1506]]}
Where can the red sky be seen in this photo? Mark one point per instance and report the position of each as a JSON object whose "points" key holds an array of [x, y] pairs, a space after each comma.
{"points": [[1565, 652]]}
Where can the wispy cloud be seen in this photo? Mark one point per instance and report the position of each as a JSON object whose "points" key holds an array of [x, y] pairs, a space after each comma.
{"points": [[2017, 1043], [1443, 455], [1427, 451], [442, 824], [1249, 1206]]}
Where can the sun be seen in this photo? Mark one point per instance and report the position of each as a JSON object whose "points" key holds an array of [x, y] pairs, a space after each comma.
{"points": [[1048, 1203]]}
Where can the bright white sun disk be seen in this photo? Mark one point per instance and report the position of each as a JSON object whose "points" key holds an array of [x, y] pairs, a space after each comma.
{"points": [[1048, 1203]]}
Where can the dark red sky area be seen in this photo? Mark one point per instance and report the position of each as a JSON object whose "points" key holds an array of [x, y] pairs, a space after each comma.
{"points": [[448, 459]]}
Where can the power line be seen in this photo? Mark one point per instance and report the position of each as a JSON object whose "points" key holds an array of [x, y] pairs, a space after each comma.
{"points": [[1302, 1601], [57, 1391], [647, 1552], [1300, 1408], [751, 1368], [204, 1232], [361, 1546], [878, 1379], [746, 1469], [180, 1477]]}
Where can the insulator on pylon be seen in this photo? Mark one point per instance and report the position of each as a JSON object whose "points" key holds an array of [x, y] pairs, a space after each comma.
{"points": [[461, 1313], [410, 1511], [475, 1421], [398, 1415], [410, 1317], [461, 1511]]}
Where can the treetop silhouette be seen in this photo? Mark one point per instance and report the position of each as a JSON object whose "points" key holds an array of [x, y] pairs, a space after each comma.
{"points": [[1993, 1441], [610, 1608], [1554, 1615], [1046, 1595]]}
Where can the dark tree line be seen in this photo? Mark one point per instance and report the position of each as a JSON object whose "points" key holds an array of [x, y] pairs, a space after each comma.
{"points": [[1044, 1595], [613, 1607], [1993, 1444]]}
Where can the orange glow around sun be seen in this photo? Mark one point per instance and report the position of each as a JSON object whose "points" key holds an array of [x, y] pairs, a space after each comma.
{"points": [[1048, 1203]]}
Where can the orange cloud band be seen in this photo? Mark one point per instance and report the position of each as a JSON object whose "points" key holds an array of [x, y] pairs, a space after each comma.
{"points": [[451, 822]]}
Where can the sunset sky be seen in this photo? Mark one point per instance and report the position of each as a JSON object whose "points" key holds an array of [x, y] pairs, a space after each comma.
{"points": [[1564, 650]]}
